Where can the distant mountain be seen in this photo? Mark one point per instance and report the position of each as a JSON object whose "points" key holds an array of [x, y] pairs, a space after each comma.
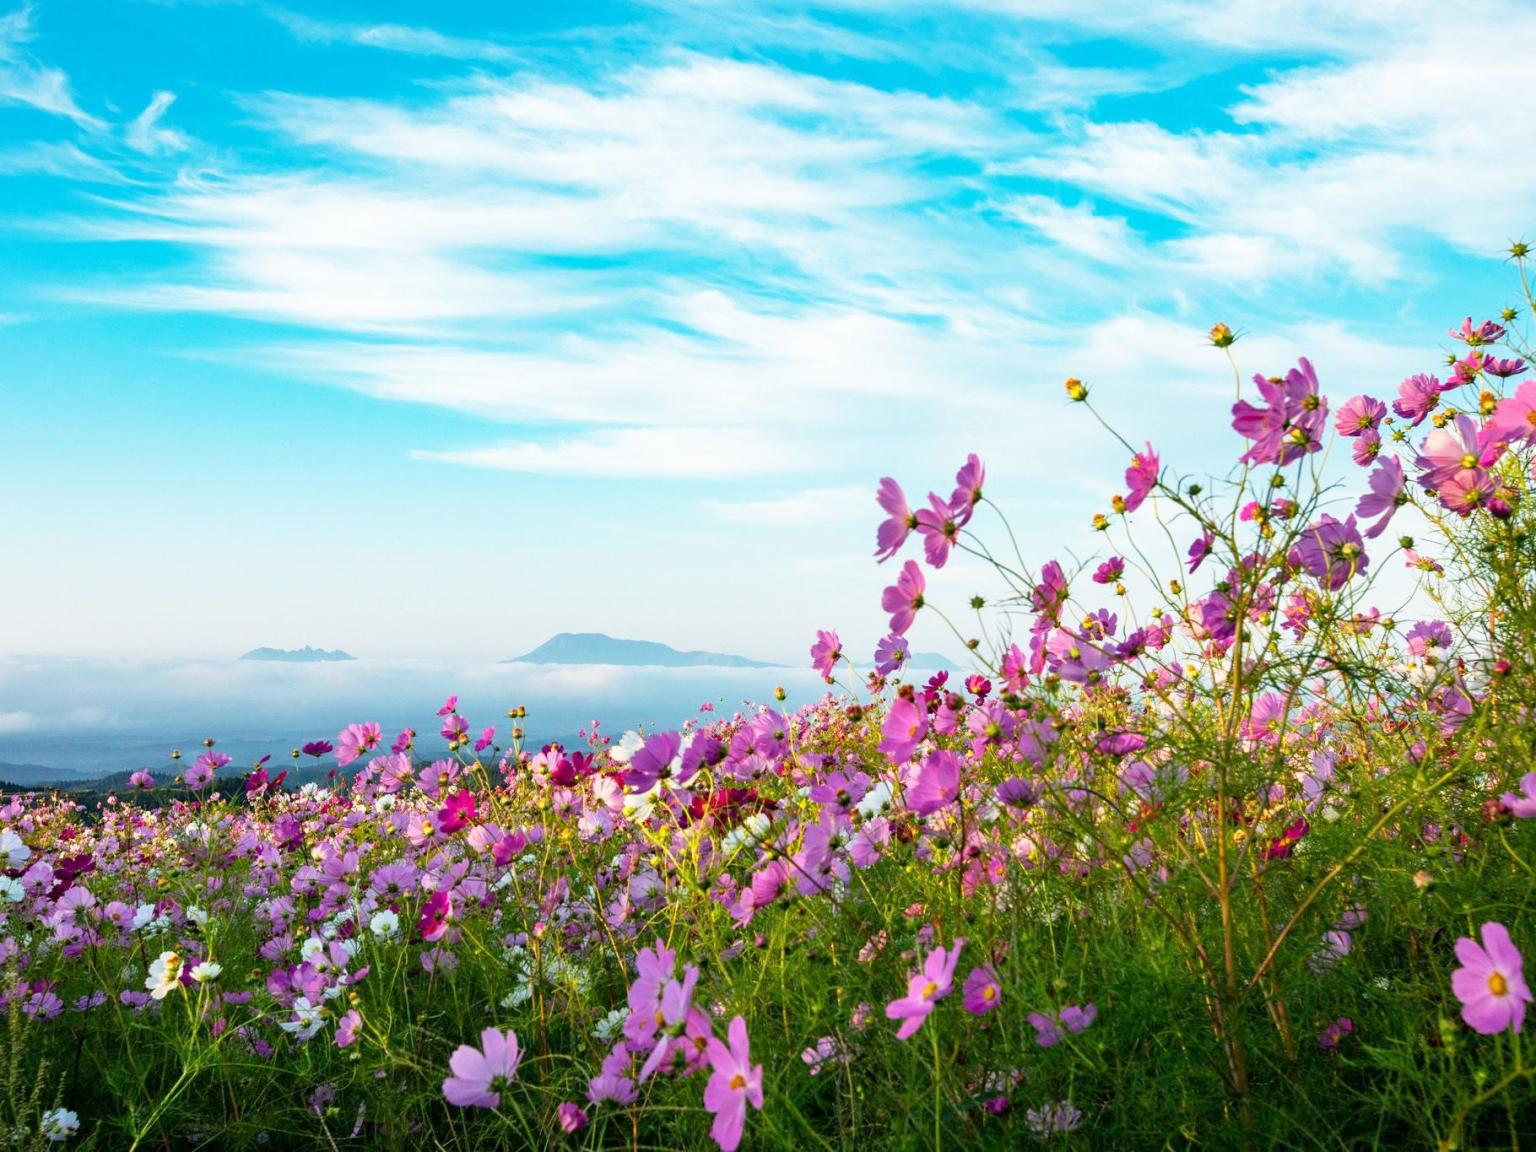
{"points": [[595, 648], [37, 775], [931, 662], [304, 655]]}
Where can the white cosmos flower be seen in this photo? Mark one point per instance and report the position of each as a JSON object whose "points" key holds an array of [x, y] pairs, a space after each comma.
{"points": [[12, 890], [197, 915], [385, 925], [142, 916], [307, 1019], [628, 745], [59, 1124], [750, 831], [11, 847], [610, 1025], [206, 970], [164, 975], [876, 800]]}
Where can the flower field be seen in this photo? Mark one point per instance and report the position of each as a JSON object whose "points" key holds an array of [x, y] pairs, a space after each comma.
{"points": [[1226, 841]]}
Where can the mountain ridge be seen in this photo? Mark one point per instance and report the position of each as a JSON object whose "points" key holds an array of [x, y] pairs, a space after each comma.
{"points": [[600, 648]]}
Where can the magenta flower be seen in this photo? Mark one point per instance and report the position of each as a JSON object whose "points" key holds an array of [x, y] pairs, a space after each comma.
{"points": [[733, 1084], [486, 739], [1489, 985], [1199, 550], [1331, 1035], [1366, 448], [1051, 1027], [1523, 805], [968, 483], [457, 811], [450, 706], [937, 785], [455, 729], [318, 748], [481, 1075], [1389, 492], [898, 523], [1293, 423], [904, 598], [1468, 490], [1503, 369], [924, 989], [939, 526], [1109, 571], [1140, 478], [1418, 396], [825, 653], [141, 779], [572, 1117], [906, 723], [357, 739], [1359, 414], [982, 991]]}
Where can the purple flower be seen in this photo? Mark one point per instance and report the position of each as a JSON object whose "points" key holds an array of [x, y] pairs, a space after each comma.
{"points": [[653, 761], [1109, 571], [481, 1075], [924, 988], [1389, 492], [347, 1029], [1199, 550], [572, 1117], [355, 740], [318, 748], [1291, 426], [1523, 805], [898, 523], [1489, 985], [200, 775], [1332, 551], [890, 654], [825, 653], [1475, 336], [981, 992], [904, 598]]}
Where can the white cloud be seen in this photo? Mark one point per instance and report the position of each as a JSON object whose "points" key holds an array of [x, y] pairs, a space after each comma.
{"points": [[24, 80], [144, 133], [390, 37], [814, 506], [11, 722], [668, 453]]}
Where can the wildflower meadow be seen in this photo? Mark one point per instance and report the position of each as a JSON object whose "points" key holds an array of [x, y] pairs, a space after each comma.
{"points": [[1227, 839]]}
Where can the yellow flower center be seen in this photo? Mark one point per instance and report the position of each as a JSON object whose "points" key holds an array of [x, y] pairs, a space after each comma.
{"points": [[738, 1082], [1497, 984], [1469, 461], [929, 989], [989, 993]]}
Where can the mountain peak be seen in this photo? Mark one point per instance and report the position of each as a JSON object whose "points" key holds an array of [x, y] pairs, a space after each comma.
{"points": [[598, 648]]}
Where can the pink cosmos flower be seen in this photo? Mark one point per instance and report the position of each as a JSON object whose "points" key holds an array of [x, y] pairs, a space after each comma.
{"points": [[450, 706], [347, 1029], [1359, 414], [906, 723], [898, 523], [1366, 448], [572, 1117], [355, 740], [904, 598], [1291, 426], [733, 1084], [1199, 550], [1418, 396], [1140, 478], [982, 991], [455, 729], [968, 484], [1524, 805], [937, 785], [1389, 492], [1515, 418], [1468, 490], [481, 1075], [1050, 1027], [924, 989], [939, 526], [1503, 369], [1474, 336], [486, 739], [1489, 984], [825, 653], [200, 775], [1448, 450]]}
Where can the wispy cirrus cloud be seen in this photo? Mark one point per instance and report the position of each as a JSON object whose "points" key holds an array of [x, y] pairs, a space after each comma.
{"points": [[26, 80]]}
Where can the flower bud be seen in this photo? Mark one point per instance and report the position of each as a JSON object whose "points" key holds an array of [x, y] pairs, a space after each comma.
{"points": [[1076, 389]]}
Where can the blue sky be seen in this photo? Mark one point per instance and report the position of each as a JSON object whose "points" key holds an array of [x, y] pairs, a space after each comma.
{"points": [[434, 329]]}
